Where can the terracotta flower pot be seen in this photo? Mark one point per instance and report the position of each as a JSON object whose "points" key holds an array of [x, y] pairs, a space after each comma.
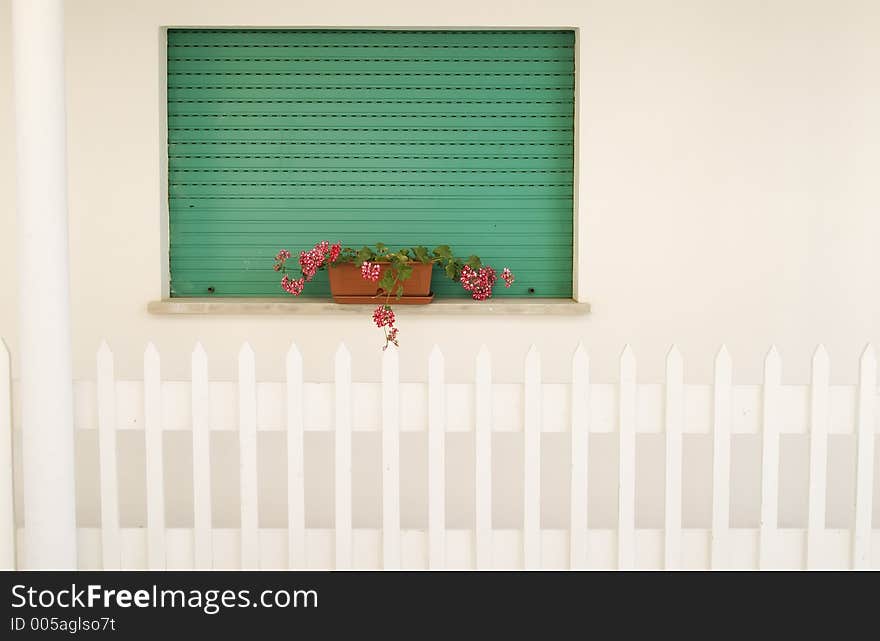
{"points": [[347, 285]]}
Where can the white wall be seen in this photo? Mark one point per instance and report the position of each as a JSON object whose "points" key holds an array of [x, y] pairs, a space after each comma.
{"points": [[728, 188], [728, 192]]}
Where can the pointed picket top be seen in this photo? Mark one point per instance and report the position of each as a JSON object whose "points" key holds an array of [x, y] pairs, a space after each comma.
{"points": [[627, 364], [435, 358], [820, 357], [580, 365], [150, 352], [294, 356], [674, 362], [246, 351], [723, 364], [199, 365], [533, 363], [581, 356], [343, 356], [103, 349], [772, 366], [868, 360]]}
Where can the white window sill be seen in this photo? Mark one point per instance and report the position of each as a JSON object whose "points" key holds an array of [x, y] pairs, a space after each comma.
{"points": [[317, 306]]}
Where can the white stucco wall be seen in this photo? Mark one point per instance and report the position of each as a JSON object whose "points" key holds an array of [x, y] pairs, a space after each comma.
{"points": [[727, 188]]}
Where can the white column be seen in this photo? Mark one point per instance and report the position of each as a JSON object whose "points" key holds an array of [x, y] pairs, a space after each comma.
{"points": [[44, 296]]}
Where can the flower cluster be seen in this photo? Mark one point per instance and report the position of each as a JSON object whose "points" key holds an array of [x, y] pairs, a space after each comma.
{"points": [[310, 262], [370, 271], [292, 286], [478, 282], [383, 316], [507, 276], [280, 257]]}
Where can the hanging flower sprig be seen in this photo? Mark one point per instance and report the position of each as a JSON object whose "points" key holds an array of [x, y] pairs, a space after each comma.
{"points": [[474, 277]]}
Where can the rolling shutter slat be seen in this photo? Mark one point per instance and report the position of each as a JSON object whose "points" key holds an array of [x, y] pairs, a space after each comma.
{"points": [[282, 138]]}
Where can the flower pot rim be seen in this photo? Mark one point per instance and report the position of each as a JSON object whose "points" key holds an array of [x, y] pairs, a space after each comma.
{"points": [[379, 261]]}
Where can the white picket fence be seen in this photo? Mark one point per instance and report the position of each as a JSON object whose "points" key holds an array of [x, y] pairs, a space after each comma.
{"points": [[580, 408]]}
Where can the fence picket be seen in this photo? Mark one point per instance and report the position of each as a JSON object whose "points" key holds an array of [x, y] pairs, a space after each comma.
{"points": [[532, 461], [626, 502], [111, 552], [390, 459], [436, 461], [203, 555], [721, 423], [865, 458], [819, 406], [580, 449], [483, 460], [247, 443], [296, 507], [674, 423], [343, 458], [154, 459], [770, 426], [7, 495]]}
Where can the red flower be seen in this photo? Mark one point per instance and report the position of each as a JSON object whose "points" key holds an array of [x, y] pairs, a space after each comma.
{"points": [[370, 271], [334, 252], [479, 283], [383, 316], [292, 286]]}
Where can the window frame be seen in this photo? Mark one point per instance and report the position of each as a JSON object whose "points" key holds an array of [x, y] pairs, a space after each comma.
{"points": [[178, 305]]}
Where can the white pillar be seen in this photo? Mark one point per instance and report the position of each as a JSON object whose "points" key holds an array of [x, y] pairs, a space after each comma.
{"points": [[44, 290]]}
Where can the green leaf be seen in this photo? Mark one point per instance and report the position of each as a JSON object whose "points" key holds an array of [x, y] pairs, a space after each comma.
{"points": [[387, 280], [450, 270], [381, 248], [474, 262], [443, 251], [404, 272], [364, 254], [421, 254]]}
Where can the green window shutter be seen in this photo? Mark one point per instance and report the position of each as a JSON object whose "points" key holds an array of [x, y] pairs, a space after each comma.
{"points": [[282, 138]]}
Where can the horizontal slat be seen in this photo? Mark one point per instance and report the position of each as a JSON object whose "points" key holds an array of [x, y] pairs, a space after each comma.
{"points": [[215, 265], [532, 121], [402, 104], [303, 91], [366, 161], [398, 239], [384, 203], [559, 61], [369, 175], [269, 190], [353, 80], [368, 38], [373, 134], [361, 215], [251, 254], [192, 231]]}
